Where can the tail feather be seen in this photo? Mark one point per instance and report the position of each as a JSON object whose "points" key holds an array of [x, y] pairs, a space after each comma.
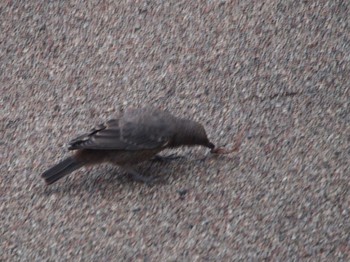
{"points": [[60, 170]]}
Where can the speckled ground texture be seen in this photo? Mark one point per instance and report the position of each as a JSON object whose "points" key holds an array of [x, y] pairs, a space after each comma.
{"points": [[277, 70]]}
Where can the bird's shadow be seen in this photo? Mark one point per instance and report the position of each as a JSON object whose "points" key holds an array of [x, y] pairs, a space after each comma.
{"points": [[109, 179]]}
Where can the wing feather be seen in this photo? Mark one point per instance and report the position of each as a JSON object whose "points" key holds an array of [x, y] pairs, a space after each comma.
{"points": [[138, 129]]}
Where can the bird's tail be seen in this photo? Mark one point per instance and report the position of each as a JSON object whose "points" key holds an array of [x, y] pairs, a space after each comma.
{"points": [[60, 170]]}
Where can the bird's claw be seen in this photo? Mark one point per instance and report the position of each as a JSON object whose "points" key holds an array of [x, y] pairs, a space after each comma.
{"points": [[148, 180]]}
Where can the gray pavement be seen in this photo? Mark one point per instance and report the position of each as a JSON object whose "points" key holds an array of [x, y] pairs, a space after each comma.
{"points": [[279, 70]]}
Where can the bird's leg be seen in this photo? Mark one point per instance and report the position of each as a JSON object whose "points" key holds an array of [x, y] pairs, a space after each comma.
{"points": [[136, 176], [158, 158]]}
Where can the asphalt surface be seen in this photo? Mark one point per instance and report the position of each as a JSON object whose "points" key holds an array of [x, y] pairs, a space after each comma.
{"points": [[279, 71]]}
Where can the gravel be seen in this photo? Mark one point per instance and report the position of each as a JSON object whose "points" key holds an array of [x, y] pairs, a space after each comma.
{"points": [[280, 70]]}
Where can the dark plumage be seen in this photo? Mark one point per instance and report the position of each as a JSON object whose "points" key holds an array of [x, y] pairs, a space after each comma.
{"points": [[135, 136]]}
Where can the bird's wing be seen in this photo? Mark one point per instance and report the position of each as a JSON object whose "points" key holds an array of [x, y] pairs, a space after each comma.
{"points": [[136, 130], [104, 136]]}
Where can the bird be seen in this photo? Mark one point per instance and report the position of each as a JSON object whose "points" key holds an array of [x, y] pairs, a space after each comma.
{"points": [[132, 137]]}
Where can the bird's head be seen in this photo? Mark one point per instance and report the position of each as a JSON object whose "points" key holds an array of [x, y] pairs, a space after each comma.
{"points": [[191, 133]]}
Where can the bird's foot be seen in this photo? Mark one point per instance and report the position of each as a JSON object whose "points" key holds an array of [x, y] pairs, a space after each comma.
{"points": [[148, 180]]}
